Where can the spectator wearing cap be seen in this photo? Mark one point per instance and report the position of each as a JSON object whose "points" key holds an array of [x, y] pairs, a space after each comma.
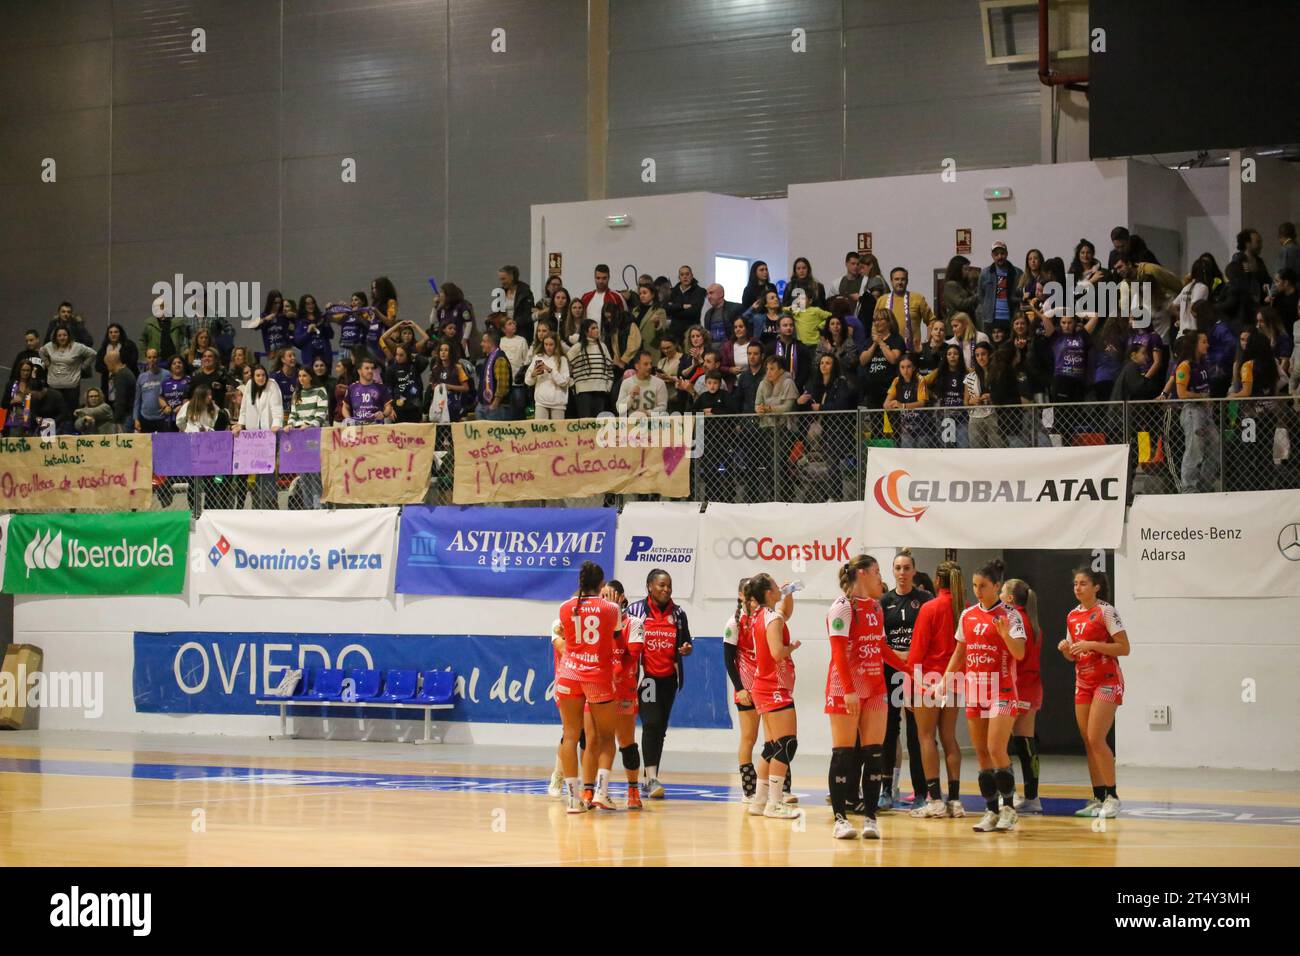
{"points": [[999, 289]]}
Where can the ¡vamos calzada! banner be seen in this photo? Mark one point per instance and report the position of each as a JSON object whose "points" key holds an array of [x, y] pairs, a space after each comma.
{"points": [[117, 553], [499, 679], [532, 553]]}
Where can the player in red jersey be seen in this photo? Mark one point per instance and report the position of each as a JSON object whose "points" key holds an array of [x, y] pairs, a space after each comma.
{"points": [[738, 654], [585, 674], [990, 640], [1095, 639], [1019, 595], [773, 694], [932, 647], [627, 662], [856, 695]]}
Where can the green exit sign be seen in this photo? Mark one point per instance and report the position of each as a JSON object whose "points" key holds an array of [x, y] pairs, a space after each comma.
{"points": [[999, 220]]}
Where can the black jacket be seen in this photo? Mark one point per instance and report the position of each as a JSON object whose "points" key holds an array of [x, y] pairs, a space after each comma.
{"points": [[523, 314], [803, 360], [684, 308]]}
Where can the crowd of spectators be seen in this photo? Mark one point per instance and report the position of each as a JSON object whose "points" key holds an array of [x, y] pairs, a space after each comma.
{"points": [[993, 338]]}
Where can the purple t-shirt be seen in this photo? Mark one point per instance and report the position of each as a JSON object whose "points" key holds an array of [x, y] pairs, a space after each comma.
{"points": [[173, 392], [277, 334], [1070, 355], [1151, 340], [366, 402]]}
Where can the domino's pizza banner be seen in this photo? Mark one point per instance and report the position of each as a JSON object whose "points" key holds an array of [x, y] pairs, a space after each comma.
{"points": [[532, 553], [499, 679]]}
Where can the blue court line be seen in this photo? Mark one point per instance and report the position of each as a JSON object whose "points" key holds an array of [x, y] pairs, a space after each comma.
{"points": [[456, 783]]}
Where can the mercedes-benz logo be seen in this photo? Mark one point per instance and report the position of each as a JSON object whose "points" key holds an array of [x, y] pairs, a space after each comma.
{"points": [[1288, 542]]}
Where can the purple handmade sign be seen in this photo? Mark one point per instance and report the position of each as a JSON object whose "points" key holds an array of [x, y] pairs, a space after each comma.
{"points": [[300, 451], [171, 453], [254, 452], [210, 452]]}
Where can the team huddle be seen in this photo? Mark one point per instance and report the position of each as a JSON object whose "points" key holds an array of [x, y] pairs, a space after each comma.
{"points": [[902, 657]]}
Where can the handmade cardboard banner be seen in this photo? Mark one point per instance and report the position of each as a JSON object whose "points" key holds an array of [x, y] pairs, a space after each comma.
{"points": [[254, 452], [572, 458], [300, 451], [193, 454], [377, 464], [76, 471]]}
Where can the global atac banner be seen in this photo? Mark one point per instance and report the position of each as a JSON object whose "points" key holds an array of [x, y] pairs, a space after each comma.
{"points": [[115, 553], [788, 541], [654, 534], [300, 554], [1242, 544], [499, 679], [997, 497], [532, 553]]}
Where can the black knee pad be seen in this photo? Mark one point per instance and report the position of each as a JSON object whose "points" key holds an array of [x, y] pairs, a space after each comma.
{"points": [[631, 756], [785, 749], [769, 750]]}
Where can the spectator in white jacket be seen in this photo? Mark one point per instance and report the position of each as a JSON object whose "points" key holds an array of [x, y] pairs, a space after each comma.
{"points": [[548, 377], [262, 407]]}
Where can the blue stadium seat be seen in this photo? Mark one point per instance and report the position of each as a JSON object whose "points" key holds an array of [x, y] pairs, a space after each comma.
{"points": [[399, 687], [326, 684], [366, 683], [438, 688]]}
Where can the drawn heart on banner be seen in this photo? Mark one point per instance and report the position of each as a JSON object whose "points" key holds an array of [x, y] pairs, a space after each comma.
{"points": [[673, 456]]}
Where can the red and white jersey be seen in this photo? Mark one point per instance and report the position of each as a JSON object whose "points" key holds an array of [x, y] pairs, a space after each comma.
{"points": [[856, 627], [770, 674], [741, 634], [629, 644], [1096, 623], [1028, 665], [589, 625], [986, 653]]}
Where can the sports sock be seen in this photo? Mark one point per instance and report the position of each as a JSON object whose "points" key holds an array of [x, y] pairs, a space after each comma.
{"points": [[838, 779], [1099, 794], [954, 789], [898, 774], [602, 783], [785, 787], [748, 779], [932, 788], [652, 773], [1112, 792], [989, 790], [760, 790], [875, 777], [574, 787], [774, 790], [1027, 750]]}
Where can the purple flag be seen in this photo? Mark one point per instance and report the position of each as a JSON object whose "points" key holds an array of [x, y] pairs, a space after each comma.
{"points": [[300, 451], [254, 452], [171, 453]]}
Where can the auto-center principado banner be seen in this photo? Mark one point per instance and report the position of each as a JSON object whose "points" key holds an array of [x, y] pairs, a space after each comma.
{"points": [[997, 497]]}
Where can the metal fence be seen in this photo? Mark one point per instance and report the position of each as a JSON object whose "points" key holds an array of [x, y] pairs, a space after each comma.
{"points": [[1174, 447]]}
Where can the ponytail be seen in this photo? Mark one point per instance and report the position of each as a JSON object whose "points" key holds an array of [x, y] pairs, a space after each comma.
{"points": [[740, 599], [849, 570], [590, 577], [995, 571], [1027, 598], [948, 575]]}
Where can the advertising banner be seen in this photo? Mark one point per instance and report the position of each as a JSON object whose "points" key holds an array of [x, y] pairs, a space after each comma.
{"points": [[1056, 498], [1242, 544], [499, 679], [532, 553], [653, 534], [300, 554], [134, 552]]}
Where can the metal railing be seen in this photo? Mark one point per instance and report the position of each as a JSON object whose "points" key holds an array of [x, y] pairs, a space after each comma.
{"points": [[1174, 447]]}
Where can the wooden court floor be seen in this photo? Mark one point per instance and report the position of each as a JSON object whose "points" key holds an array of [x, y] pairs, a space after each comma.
{"points": [[64, 805]]}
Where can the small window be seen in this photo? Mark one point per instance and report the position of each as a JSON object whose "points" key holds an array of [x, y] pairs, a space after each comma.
{"points": [[732, 274]]}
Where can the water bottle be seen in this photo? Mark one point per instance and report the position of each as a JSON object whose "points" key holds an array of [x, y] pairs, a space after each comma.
{"points": [[791, 588]]}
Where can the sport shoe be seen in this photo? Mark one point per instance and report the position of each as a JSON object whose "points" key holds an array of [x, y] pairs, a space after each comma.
{"points": [[603, 802], [1028, 806], [1007, 818], [654, 789], [886, 803], [870, 829], [896, 795], [789, 798], [575, 805], [756, 806], [955, 809], [588, 794], [988, 823], [844, 830], [555, 789], [1089, 809], [930, 810], [1110, 808], [633, 798], [780, 811]]}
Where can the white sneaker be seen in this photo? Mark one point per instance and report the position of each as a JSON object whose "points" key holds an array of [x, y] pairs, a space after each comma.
{"points": [[789, 798], [654, 789], [930, 810], [756, 806], [988, 823], [575, 805], [870, 830], [1028, 806], [1007, 818], [780, 811], [555, 789], [1110, 808], [844, 830], [955, 809], [1089, 809]]}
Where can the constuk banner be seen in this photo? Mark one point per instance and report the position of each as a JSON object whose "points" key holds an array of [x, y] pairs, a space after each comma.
{"points": [[997, 497]]}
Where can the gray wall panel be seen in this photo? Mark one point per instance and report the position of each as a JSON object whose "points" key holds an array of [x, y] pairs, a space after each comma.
{"points": [[77, 140], [30, 23], [195, 132], [663, 25], [52, 78]]}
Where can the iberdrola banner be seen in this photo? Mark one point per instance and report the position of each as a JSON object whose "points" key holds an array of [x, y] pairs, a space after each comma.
{"points": [[130, 552]]}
